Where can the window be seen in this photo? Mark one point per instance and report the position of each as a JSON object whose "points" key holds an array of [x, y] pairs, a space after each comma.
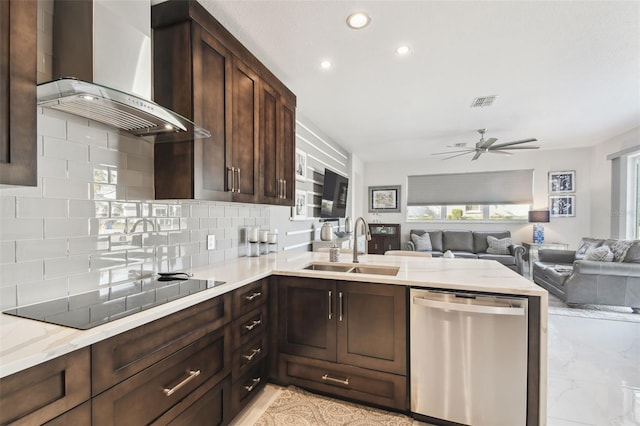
{"points": [[472, 212], [633, 198]]}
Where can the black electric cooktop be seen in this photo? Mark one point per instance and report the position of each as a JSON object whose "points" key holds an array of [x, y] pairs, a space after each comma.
{"points": [[88, 310]]}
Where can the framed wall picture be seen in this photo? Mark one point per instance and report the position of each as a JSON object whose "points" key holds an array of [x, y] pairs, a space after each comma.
{"points": [[562, 205], [300, 206], [384, 198], [560, 182], [301, 165]]}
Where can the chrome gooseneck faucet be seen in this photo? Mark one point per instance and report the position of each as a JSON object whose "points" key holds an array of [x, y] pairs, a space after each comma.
{"points": [[367, 234]]}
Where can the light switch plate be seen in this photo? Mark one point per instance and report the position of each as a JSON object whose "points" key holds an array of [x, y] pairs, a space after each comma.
{"points": [[211, 242]]}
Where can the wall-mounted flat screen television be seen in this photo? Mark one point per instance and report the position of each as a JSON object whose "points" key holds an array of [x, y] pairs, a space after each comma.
{"points": [[334, 195]]}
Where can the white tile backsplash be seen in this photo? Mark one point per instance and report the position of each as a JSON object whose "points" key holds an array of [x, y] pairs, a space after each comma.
{"points": [[70, 234]]}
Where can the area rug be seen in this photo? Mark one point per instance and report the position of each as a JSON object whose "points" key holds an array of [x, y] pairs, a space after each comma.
{"points": [[613, 313], [296, 407]]}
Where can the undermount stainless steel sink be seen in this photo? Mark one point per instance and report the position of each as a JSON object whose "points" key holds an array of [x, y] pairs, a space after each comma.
{"points": [[353, 269]]}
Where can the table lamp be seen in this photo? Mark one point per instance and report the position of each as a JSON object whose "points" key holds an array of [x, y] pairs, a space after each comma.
{"points": [[538, 217]]}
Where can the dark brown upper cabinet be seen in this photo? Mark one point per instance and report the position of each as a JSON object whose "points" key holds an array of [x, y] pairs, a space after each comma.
{"points": [[205, 74], [18, 121]]}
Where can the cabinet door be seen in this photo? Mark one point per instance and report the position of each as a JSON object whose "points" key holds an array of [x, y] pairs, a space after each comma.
{"points": [[376, 244], [306, 317], [271, 183], [18, 123], [244, 169], [372, 326], [286, 149]]}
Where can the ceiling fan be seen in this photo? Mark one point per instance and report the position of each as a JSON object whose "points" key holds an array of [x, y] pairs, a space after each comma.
{"points": [[483, 146]]}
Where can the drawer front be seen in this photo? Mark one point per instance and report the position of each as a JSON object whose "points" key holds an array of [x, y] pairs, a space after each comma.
{"points": [[244, 389], [249, 355], [374, 387], [249, 297], [81, 415], [144, 397], [249, 326], [209, 405], [122, 356], [45, 391]]}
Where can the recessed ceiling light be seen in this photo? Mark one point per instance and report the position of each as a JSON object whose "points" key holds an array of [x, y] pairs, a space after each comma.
{"points": [[358, 20], [403, 50], [325, 65]]}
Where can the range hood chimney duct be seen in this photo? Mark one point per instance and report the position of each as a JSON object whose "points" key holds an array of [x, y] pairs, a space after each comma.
{"points": [[102, 69]]}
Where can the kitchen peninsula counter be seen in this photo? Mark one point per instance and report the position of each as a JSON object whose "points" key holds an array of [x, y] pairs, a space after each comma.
{"points": [[25, 343]]}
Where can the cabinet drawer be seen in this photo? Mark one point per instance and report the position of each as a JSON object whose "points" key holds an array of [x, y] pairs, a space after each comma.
{"points": [[249, 326], [120, 357], [146, 396], [374, 387], [249, 355], [209, 405], [244, 389], [45, 391], [81, 415], [249, 297]]}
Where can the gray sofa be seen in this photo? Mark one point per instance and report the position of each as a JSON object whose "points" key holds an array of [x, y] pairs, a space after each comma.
{"points": [[469, 244], [576, 279]]}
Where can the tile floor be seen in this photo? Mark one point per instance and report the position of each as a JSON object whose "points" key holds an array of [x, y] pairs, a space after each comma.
{"points": [[594, 374]]}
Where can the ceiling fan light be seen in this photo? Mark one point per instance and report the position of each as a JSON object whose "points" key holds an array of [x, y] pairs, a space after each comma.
{"points": [[358, 20]]}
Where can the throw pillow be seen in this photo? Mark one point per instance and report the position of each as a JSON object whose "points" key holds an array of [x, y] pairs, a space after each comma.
{"points": [[586, 244], [497, 246], [422, 242], [633, 254], [620, 248], [600, 254]]}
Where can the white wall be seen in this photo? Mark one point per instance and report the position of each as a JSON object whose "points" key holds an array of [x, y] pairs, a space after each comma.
{"points": [[568, 230]]}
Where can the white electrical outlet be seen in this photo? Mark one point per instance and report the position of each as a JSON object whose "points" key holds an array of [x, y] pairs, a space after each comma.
{"points": [[211, 242]]}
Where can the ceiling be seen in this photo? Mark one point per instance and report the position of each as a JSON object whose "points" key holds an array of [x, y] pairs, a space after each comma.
{"points": [[565, 72]]}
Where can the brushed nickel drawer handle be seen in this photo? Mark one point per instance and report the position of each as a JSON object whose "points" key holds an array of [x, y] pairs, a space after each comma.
{"points": [[253, 296], [330, 310], [253, 385], [192, 375], [253, 354], [238, 188], [326, 378], [253, 325]]}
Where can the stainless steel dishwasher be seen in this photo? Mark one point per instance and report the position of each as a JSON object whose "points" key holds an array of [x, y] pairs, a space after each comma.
{"points": [[469, 358]]}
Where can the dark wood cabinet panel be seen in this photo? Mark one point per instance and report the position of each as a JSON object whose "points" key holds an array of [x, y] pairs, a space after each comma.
{"points": [[121, 356], [81, 415], [202, 72], [372, 329], [384, 237], [244, 389], [147, 395], [250, 325], [18, 121], [307, 317], [249, 297], [45, 391]]}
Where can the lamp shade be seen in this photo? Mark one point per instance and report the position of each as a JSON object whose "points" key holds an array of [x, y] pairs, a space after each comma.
{"points": [[539, 216]]}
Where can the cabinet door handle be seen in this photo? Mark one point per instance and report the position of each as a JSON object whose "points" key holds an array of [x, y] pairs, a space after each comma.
{"points": [[253, 325], [238, 188], [330, 310], [327, 378], [254, 383], [340, 306], [253, 296], [284, 189], [253, 354], [192, 375], [231, 183]]}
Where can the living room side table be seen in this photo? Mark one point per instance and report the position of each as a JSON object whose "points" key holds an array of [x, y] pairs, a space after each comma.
{"points": [[532, 249]]}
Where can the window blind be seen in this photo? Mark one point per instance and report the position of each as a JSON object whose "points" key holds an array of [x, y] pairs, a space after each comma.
{"points": [[503, 187]]}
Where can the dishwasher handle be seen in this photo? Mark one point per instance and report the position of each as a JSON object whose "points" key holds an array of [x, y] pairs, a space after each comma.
{"points": [[475, 307]]}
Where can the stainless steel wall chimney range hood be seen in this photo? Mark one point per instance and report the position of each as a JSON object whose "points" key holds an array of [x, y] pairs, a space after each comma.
{"points": [[99, 45]]}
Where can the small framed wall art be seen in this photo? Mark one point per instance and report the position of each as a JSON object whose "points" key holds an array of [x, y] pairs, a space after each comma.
{"points": [[301, 165], [384, 199], [561, 182], [562, 205], [300, 206]]}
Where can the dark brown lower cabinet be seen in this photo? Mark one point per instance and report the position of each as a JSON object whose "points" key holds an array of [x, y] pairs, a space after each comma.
{"points": [[345, 338], [81, 415]]}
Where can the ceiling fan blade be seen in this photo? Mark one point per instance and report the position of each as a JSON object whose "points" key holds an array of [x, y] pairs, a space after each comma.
{"points": [[502, 145], [488, 143], [452, 152], [519, 147], [458, 155], [478, 154]]}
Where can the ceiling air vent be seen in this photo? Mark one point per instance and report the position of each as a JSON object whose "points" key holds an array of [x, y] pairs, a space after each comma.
{"points": [[483, 101]]}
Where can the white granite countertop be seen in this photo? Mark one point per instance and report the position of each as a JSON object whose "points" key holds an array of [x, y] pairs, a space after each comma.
{"points": [[25, 343]]}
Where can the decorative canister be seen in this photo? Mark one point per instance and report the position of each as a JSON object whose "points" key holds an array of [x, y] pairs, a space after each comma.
{"points": [[334, 254], [326, 232]]}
